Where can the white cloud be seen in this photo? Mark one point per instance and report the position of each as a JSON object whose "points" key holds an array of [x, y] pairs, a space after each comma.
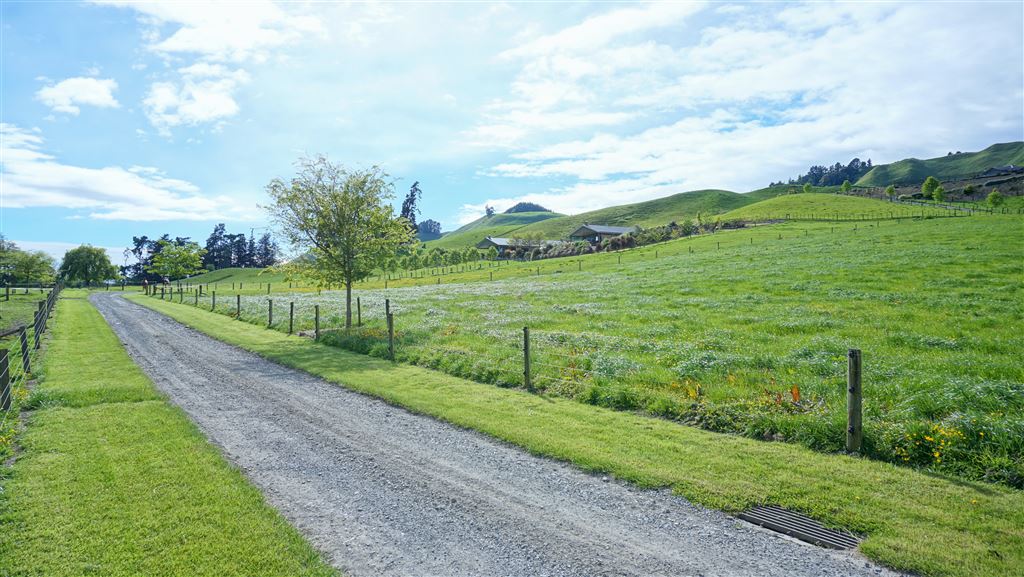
{"points": [[220, 37], [34, 178], [205, 95], [759, 99], [572, 80], [66, 95]]}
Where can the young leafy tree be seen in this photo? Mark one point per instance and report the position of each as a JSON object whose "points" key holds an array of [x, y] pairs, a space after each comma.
{"points": [[929, 186], [807, 187], [176, 261], [995, 198], [32, 267], [969, 190], [890, 191], [846, 186], [87, 265], [492, 253], [342, 217], [939, 194]]}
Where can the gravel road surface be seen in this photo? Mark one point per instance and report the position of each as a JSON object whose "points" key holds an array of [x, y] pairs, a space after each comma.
{"points": [[380, 491]]}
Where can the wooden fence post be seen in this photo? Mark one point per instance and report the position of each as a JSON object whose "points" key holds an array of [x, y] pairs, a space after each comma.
{"points": [[291, 317], [387, 307], [5, 381], [316, 322], [854, 429], [527, 377], [26, 362], [391, 336], [238, 306], [270, 312], [359, 312], [197, 298], [213, 301]]}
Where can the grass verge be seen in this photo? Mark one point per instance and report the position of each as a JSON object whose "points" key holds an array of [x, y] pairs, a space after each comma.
{"points": [[114, 481], [913, 521]]}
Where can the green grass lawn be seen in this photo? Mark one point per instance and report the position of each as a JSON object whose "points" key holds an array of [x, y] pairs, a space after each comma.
{"points": [[112, 480], [819, 206], [748, 333], [914, 521]]}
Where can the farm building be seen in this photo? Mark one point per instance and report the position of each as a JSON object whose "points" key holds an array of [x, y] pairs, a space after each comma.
{"points": [[509, 245], [595, 233], [1007, 170]]}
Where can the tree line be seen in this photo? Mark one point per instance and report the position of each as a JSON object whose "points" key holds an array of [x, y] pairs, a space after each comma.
{"points": [[834, 175], [24, 267]]}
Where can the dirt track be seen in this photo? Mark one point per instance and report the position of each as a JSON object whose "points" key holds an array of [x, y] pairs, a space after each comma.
{"points": [[383, 492]]}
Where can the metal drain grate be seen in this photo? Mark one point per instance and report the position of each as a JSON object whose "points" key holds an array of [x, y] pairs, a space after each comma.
{"points": [[800, 527]]}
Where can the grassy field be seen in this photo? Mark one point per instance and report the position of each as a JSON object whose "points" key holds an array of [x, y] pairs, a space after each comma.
{"points": [[499, 225], [915, 171], [747, 333], [818, 206], [112, 480], [913, 521]]}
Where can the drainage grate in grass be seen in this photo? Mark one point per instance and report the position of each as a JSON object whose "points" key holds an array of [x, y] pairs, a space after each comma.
{"points": [[800, 527]]}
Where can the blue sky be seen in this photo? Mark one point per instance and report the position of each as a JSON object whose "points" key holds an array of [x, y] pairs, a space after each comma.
{"points": [[124, 119]]}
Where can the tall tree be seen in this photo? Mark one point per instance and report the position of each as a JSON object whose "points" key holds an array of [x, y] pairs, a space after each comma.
{"points": [[215, 244], [266, 251], [929, 186], [342, 217], [176, 261], [87, 265], [410, 206]]}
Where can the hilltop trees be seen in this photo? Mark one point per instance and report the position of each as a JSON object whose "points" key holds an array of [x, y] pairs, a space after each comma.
{"points": [[526, 207], [343, 217], [833, 175], [430, 226], [87, 265], [489, 210]]}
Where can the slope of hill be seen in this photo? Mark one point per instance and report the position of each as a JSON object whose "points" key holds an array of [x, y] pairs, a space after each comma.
{"points": [[650, 213], [233, 275], [494, 225], [914, 170], [820, 205]]}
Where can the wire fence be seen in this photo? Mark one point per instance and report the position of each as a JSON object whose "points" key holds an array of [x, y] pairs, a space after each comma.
{"points": [[20, 353]]}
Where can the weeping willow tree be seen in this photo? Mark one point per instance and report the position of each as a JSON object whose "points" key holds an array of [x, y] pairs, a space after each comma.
{"points": [[342, 218]]}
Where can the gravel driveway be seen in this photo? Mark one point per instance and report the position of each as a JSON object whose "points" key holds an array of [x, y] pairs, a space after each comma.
{"points": [[380, 491]]}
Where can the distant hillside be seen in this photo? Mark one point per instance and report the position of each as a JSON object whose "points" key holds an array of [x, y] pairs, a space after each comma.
{"points": [[820, 204], [655, 212], [963, 165], [494, 225], [243, 275]]}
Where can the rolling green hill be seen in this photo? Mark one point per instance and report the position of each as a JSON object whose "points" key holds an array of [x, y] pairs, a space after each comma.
{"points": [[494, 225], [820, 205], [964, 165], [232, 275], [650, 213]]}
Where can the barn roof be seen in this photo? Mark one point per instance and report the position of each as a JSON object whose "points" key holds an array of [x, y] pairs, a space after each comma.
{"points": [[602, 229], [511, 242]]}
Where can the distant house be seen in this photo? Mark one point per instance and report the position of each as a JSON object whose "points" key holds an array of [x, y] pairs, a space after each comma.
{"points": [[595, 233], [1007, 170], [509, 245]]}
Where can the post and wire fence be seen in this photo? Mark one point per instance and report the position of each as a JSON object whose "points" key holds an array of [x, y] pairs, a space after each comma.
{"points": [[19, 355]]}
